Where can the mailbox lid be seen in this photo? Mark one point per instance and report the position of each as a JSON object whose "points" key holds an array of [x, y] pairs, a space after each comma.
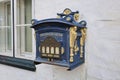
{"points": [[54, 21]]}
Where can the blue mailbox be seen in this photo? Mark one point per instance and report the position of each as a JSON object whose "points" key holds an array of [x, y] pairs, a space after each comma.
{"points": [[60, 41]]}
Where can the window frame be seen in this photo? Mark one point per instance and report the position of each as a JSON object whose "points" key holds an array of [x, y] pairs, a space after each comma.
{"points": [[23, 54], [14, 49], [14, 60]]}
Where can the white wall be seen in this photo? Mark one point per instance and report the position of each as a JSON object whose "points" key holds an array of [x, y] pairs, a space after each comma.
{"points": [[102, 45]]}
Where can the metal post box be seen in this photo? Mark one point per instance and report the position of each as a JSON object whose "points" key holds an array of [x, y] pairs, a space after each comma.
{"points": [[60, 41]]}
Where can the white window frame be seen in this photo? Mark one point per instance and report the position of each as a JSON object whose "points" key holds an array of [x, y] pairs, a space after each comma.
{"points": [[7, 58], [22, 54], [15, 52]]}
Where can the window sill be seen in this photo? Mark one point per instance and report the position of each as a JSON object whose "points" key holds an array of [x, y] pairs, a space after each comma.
{"points": [[18, 62]]}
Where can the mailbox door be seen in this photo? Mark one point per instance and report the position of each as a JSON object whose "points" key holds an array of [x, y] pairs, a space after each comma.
{"points": [[52, 44]]}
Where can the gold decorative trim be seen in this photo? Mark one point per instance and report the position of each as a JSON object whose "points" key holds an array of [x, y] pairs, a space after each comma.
{"points": [[73, 46], [76, 16], [82, 40], [67, 11]]}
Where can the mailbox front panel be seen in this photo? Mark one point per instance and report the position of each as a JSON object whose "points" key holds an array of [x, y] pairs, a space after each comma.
{"points": [[51, 44]]}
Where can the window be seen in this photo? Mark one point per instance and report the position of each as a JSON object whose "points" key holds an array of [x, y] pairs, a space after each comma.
{"points": [[23, 33], [15, 33]]}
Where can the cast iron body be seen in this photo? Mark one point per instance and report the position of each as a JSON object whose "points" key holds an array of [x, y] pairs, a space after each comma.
{"points": [[53, 45]]}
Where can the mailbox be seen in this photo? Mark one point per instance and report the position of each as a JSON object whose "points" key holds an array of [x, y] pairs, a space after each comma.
{"points": [[60, 41]]}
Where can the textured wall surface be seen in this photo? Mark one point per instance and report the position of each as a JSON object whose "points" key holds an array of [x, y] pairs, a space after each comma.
{"points": [[102, 44]]}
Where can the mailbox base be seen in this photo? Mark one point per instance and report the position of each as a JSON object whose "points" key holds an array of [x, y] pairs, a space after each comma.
{"points": [[69, 65], [73, 66], [59, 63]]}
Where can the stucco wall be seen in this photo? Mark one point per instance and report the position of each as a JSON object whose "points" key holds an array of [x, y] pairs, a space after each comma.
{"points": [[102, 44]]}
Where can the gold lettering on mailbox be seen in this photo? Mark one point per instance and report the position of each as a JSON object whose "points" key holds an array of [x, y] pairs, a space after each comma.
{"points": [[56, 56], [44, 55], [50, 55]]}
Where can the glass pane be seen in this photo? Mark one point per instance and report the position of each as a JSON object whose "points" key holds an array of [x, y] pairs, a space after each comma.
{"points": [[28, 39], [9, 27], [24, 32], [5, 28], [28, 31]]}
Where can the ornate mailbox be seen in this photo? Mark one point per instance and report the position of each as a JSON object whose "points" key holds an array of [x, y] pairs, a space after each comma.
{"points": [[60, 41]]}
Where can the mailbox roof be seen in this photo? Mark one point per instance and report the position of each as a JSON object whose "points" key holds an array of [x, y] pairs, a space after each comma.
{"points": [[55, 21]]}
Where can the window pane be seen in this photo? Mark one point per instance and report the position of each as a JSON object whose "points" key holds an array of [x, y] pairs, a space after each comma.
{"points": [[9, 27], [28, 39], [24, 33], [28, 11], [28, 31], [5, 28]]}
